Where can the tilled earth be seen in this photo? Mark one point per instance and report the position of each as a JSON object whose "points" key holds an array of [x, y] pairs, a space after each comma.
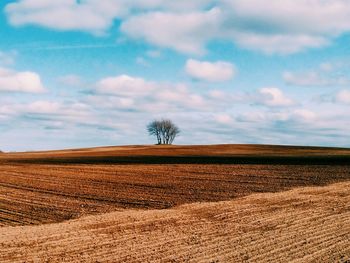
{"points": [[223, 203], [35, 194], [301, 225]]}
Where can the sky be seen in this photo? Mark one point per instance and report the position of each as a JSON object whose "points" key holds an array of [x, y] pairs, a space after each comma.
{"points": [[93, 73]]}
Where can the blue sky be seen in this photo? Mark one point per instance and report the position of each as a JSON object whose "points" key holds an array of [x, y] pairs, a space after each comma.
{"points": [[89, 73]]}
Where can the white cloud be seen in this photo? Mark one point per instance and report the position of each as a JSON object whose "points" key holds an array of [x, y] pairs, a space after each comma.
{"points": [[184, 32], [304, 79], [251, 116], [125, 85], [138, 94], [224, 98], [91, 16], [165, 5], [324, 76], [268, 117], [317, 17], [74, 112], [210, 71], [343, 96], [304, 115], [284, 27], [50, 111], [278, 43], [223, 118], [25, 81], [275, 26], [111, 102], [273, 97], [180, 96], [42, 107], [38, 116]]}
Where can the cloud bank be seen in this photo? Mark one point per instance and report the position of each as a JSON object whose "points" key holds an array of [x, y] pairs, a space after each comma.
{"points": [[273, 27]]}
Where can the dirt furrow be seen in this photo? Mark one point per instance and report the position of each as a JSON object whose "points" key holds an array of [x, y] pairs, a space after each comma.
{"points": [[189, 233]]}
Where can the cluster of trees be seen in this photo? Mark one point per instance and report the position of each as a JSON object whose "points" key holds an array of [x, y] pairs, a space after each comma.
{"points": [[164, 130]]}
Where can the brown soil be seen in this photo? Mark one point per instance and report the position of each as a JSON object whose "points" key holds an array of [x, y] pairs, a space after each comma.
{"points": [[141, 204], [188, 150], [35, 193], [301, 225]]}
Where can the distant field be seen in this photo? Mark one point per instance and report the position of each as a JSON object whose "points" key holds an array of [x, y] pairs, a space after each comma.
{"points": [[194, 154], [181, 203], [55, 186]]}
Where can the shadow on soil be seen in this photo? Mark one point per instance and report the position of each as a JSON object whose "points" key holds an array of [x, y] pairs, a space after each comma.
{"points": [[287, 160]]}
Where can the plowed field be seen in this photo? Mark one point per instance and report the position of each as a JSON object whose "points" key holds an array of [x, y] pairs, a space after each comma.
{"points": [[34, 194], [175, 203], [302, 225]]}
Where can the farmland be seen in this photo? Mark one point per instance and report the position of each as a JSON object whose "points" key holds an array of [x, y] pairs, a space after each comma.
{"points": [[234, 201]]}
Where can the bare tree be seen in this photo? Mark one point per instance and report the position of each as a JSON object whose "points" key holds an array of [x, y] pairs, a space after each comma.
{"points": [[164, 130], [154, 128]]}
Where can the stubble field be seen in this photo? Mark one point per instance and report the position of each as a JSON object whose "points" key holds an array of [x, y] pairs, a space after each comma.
{"points": [[175, 204]]}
